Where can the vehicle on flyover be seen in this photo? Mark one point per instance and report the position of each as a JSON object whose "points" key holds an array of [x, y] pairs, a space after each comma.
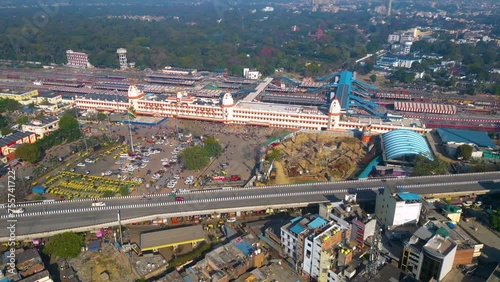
{"points": [[98, 204]]}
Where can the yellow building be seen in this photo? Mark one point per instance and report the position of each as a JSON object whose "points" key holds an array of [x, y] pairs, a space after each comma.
{"points": [[18, 95]]}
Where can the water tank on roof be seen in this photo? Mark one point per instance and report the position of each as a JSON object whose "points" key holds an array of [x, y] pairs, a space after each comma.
{"points": [[450, 225]]}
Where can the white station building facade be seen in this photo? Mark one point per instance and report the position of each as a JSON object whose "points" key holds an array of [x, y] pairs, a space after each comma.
{"points": [[226, 111]]}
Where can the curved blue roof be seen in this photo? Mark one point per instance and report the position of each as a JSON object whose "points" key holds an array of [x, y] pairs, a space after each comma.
{"points": [[402, 142]]}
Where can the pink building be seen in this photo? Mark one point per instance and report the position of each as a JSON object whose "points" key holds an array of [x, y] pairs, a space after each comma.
{"points": [[77, 59]]}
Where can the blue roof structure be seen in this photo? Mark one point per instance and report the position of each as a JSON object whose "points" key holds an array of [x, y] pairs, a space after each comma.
{"points": [[343, 91], [403, 142], [296, 219], [243, 246], [409, 196], [317, 222], [480, 138], [297, 229]]}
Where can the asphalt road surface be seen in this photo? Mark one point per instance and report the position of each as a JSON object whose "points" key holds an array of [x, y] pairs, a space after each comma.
{"points": [[70, 214]]}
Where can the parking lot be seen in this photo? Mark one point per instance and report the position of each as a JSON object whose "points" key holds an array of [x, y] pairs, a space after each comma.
{"points": [[154, 166]]}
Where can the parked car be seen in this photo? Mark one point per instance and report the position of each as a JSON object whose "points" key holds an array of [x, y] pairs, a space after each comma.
{"points": [[80, 164], [232, 219]]}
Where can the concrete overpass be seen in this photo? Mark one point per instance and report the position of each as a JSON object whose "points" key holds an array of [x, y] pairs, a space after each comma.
{"points": [[250, 97], [46, 219]]}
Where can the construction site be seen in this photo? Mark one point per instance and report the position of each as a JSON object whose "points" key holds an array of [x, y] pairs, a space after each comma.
{"points": [[318, 156]]}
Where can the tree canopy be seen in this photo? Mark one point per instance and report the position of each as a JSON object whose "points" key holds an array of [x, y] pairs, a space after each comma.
{"points": [[69, 127], [424, 166], [212, 146], [464, 152], [274, 155], [64, 245], [194, 158], [9, 105], [28, 152]]}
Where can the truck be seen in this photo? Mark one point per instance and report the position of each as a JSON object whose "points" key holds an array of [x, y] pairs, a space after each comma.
{"points": [[220, 178]]}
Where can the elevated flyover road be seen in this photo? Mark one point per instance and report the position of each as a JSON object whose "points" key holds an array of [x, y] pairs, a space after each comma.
{"points": [[42, 219]]}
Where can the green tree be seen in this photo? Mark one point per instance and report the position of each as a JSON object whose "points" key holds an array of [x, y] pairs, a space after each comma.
{"points": [[101, 116], [22, 120], [64, 245], [9, 105], [464, 152], [373, 78], [5, 131], [28, 152], [495, 219], [213, 148], [195, 158], [69, 127], [424, 166], [4, 121], [274, 155]]}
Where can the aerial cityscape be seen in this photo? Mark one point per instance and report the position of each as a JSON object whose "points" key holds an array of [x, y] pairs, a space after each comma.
{"points": [[264, 141]]}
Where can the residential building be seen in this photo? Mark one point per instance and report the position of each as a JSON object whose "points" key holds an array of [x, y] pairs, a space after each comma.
{"points": [[41, 126], [407, 47], [29, 262], [394, 208], [229, 261], [322, 236], [393, 38], [428, 254], [406, 38], [18, 95], [362, 229], [42, 276], [348, 214], [77, 59], [313, 243], [397, 62], [251, 74], [10, 142]]}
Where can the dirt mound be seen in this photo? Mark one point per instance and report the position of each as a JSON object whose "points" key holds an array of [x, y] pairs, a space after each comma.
{"points": [[90, 265], [318, 156]]}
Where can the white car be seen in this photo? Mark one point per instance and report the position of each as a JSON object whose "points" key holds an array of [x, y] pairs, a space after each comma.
{"points": [[188, 182], [17, 210], [170, 185], [165, 163], [118, 163], [89, 161], [177, 176], [145, 160], [190, 177], [232, 219], [143, 165], [80, 164], [164, 160], [98, 204]]}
